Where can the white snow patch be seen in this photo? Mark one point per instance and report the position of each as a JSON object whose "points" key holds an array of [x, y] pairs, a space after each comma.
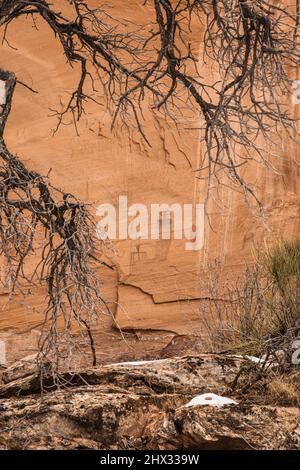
{"points": [[210, 399], [257, 360], [137, 363], [2, 92]]}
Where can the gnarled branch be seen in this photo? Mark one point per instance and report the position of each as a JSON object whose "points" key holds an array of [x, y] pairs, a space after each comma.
{"points": [[35, 216]]}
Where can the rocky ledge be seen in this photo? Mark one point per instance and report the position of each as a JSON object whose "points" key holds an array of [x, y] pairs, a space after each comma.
{"points": [[173, 403]]}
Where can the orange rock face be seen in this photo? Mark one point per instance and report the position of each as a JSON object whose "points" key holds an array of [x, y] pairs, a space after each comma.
{"points": [[156, 284]]}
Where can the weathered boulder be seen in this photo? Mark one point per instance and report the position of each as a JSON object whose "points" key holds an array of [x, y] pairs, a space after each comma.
{"points": [[238, 427], [181, 375], [22, 368]]}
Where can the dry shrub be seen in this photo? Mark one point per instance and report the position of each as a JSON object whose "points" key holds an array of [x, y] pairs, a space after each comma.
{"points": [[259, 313], [285, 390]]}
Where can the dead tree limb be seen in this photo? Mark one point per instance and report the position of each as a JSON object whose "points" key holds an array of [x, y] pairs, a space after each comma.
{"points": [[35, 215]]}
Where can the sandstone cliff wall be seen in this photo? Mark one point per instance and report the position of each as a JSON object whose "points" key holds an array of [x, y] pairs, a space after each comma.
{"points": [[156, 284]]}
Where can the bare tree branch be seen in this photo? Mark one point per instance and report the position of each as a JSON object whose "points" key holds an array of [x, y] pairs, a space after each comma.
{"points": [[30, 206]]}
